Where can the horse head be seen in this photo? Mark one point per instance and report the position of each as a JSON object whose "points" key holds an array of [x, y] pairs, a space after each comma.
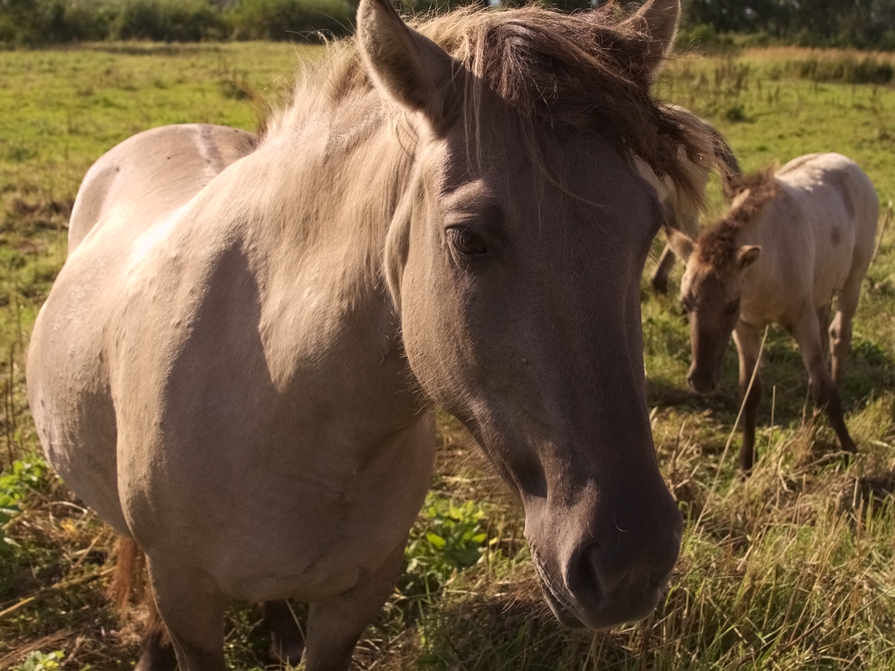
{"points": [[514, 262]]}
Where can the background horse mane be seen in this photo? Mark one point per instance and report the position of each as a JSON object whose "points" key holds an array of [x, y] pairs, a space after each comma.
{"points": [[717, 244], [553, 71]]}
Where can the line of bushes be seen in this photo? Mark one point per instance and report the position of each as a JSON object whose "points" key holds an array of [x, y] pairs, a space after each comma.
{"points": [[36, 22], [704, 37]]}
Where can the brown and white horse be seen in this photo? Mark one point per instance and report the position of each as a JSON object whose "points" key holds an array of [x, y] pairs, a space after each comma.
{"points": [[791, 240], [238, 363]]}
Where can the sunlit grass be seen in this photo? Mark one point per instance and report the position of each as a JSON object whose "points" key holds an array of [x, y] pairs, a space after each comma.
{"points": [[790, 569]]}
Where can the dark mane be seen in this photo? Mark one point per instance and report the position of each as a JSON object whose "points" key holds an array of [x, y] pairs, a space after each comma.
{"points": [[580, 72], [717, 244]]}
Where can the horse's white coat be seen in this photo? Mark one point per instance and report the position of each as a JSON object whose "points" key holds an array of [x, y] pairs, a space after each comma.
{"points": [[781, 255]]}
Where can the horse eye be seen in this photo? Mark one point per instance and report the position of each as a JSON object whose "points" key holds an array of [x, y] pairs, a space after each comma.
{"points": [[466, 242]]}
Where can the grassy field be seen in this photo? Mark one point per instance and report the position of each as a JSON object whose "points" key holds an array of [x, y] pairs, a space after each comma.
{"points": [[791, 569]]}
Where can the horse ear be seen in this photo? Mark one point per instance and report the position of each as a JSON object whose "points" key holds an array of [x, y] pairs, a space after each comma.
{"points": [[681, 243], [747, 255], [658, 19], [405, 65]]}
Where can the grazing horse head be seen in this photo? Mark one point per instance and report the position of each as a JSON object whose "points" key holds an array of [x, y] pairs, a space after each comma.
{"points": [[712, 285], [514, 261]]}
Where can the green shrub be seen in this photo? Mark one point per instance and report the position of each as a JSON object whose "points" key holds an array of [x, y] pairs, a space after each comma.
{"points": [[169, 21], [75, 20], [23, 477], [32, 22], [38, 661], [299, 20], [449, 536], [704, 38]]}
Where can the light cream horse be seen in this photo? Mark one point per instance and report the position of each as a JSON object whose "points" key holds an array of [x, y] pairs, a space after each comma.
{"points": [[238, 363], [791, 240]]}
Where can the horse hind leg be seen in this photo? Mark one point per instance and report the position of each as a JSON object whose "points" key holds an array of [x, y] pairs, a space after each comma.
{"points": [[840, 329], [158, 651], [130, 578], [823, 389], [335, 626], [660, 276], [286, 642]]}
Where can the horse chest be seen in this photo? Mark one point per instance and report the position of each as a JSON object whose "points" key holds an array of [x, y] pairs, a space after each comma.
{"points": [[311, 523]]}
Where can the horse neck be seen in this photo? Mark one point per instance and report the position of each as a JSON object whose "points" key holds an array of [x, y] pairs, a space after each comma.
{"points": [[330, 193], [343, 174]]}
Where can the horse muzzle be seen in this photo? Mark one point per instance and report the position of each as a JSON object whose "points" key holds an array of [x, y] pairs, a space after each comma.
{"points": [[702, 382], [603, 586]]}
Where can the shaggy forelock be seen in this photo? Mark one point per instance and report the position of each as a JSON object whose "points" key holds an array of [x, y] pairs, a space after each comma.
{"points": [[718, 244], [555, 72]]}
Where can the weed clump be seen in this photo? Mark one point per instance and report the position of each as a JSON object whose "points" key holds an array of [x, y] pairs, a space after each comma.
{"points": [[847, 69]]}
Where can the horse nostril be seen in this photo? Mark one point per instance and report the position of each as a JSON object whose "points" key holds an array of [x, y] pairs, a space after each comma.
{"points": [[604, 569], [588, 566], [629, 566]]}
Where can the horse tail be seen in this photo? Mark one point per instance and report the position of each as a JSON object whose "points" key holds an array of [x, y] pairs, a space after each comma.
{"points": [[129, 577], [129, 584]]}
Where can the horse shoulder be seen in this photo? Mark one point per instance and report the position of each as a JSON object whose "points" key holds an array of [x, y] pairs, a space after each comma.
{"points": [[124, 210], [260, 408]]}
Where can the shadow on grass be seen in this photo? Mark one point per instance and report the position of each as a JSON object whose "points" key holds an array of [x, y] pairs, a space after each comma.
{"points": [[869, 370], [515, 631]]}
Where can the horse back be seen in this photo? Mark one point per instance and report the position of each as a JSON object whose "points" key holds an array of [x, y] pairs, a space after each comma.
{"points": [[837, 202], [819, 231], [153, 173]]}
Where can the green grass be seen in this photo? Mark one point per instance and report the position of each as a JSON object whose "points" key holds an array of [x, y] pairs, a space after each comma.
{"points": [[791, 569]]}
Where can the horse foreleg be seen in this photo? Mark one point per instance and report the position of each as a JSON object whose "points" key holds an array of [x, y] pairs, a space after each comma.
{"points": [[823, 389], [286, 642], [748, 342], [660, 277], [840, 329], [335, 626], [192, 608]]}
